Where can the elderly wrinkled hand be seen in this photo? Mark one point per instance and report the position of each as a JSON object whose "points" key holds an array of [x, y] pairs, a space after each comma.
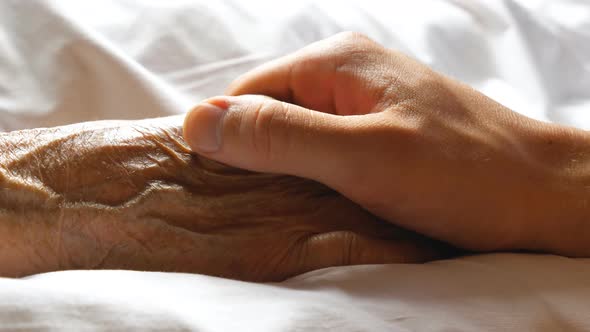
{"points": [[131, 195]]}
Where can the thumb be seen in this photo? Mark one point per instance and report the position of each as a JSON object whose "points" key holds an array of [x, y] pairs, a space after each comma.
{"points": [[262, 134]]}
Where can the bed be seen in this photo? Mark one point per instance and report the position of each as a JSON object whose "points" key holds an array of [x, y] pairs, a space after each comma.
{"points": [[66, 61]]}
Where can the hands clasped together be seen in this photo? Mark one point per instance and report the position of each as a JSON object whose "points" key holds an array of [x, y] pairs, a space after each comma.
{"points": [[369, 140]]}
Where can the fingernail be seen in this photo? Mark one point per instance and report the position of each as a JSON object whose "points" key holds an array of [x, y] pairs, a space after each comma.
{"points": [[203, 126]]}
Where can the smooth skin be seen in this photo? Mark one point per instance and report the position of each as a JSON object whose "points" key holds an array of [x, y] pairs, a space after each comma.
{"points": [[408, 144]]}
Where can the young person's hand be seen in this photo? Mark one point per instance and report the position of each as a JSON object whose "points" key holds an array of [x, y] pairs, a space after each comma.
{"points": [[408, 144]]}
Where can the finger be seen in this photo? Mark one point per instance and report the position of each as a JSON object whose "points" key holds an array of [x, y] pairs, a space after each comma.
{"points": [[270, 79], [308, 77], [291, 79], [266, 135], [343, 248]]}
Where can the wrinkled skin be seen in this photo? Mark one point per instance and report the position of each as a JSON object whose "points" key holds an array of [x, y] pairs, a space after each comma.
{"points": [[130, 195]]}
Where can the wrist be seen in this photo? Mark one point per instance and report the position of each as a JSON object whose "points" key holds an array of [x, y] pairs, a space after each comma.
{"points": [[28, 236], [561, 221], [71, 194], [26, 233]]}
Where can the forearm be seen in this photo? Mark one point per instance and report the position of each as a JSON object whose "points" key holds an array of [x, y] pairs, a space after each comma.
{"points": [[57, 197], [527, 178], [28, 236], [91, 195], [28, 242]]}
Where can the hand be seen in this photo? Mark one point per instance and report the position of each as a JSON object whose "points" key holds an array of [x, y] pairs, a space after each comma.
{"points": [[408, 144], [130, 195]]}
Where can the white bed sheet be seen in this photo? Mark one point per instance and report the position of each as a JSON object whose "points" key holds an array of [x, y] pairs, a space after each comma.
{"points": [[71, 61]]}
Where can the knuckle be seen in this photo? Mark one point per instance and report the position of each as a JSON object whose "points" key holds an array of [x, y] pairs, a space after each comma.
{"points": [[234, 123], [354, 40], [354, 50], [352, 37], [270, 135]]}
